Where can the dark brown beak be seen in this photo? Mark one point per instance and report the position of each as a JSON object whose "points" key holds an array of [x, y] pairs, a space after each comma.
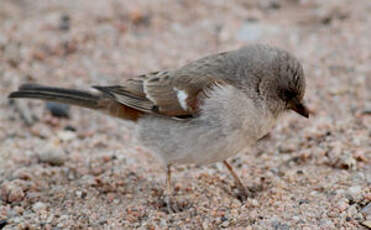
{"points": [[299, 107]]}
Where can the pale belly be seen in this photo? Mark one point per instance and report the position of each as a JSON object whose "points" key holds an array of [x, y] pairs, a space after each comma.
{"points": [[196, 142]]}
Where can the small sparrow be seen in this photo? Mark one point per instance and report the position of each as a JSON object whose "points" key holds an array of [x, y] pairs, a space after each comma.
{"points": [[203, 112]]}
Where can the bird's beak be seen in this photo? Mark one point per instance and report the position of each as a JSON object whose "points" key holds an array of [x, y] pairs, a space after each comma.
{"points": [[299, 107]]}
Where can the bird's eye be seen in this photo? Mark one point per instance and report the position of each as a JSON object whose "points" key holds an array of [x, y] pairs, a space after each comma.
{"points": [[288, 95]]}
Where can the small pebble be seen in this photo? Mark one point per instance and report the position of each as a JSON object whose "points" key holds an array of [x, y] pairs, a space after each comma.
{"points": [[225, 224], [38, 206], [58, 109], [52, 155], [78, 193], [65, 22], [66, 135], [355, 190], [70, 128]]}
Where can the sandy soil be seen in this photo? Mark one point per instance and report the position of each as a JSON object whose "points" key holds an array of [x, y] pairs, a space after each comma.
{"points": [[85, 172]]}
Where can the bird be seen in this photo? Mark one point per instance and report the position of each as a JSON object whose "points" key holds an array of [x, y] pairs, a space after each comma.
{"points": [[201, 113]]}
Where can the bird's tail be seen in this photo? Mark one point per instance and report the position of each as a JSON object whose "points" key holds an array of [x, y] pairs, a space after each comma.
{"points": [[61, 95], [100, 101]]}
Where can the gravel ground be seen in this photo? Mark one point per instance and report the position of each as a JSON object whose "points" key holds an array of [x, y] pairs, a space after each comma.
{"points": [[84, 171]]}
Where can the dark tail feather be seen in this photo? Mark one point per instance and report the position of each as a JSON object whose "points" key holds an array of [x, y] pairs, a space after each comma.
{"points": [[61, 95]]}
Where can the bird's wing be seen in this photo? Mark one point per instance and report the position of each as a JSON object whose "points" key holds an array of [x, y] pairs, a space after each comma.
{"points": [[164, 93]]}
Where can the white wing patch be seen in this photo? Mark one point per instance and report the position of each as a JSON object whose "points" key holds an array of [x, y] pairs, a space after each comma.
{"points": [[182, 97]]}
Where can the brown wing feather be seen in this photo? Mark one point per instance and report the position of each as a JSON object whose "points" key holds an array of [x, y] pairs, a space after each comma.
{"points": [[126, 96], [158, 92]]}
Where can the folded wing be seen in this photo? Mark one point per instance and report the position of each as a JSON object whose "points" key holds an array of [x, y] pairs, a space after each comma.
{"points": [[163, 93]]}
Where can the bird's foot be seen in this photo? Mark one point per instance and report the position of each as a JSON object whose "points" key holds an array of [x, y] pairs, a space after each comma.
{"points": [[243, 194], [171, 205]]}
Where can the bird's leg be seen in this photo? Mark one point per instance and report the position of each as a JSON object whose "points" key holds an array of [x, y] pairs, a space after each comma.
{"points": [[237, 180], [169, 192]]}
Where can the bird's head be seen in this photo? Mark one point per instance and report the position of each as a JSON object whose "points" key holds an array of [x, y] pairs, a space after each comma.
{"points": [[287, 85]]}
